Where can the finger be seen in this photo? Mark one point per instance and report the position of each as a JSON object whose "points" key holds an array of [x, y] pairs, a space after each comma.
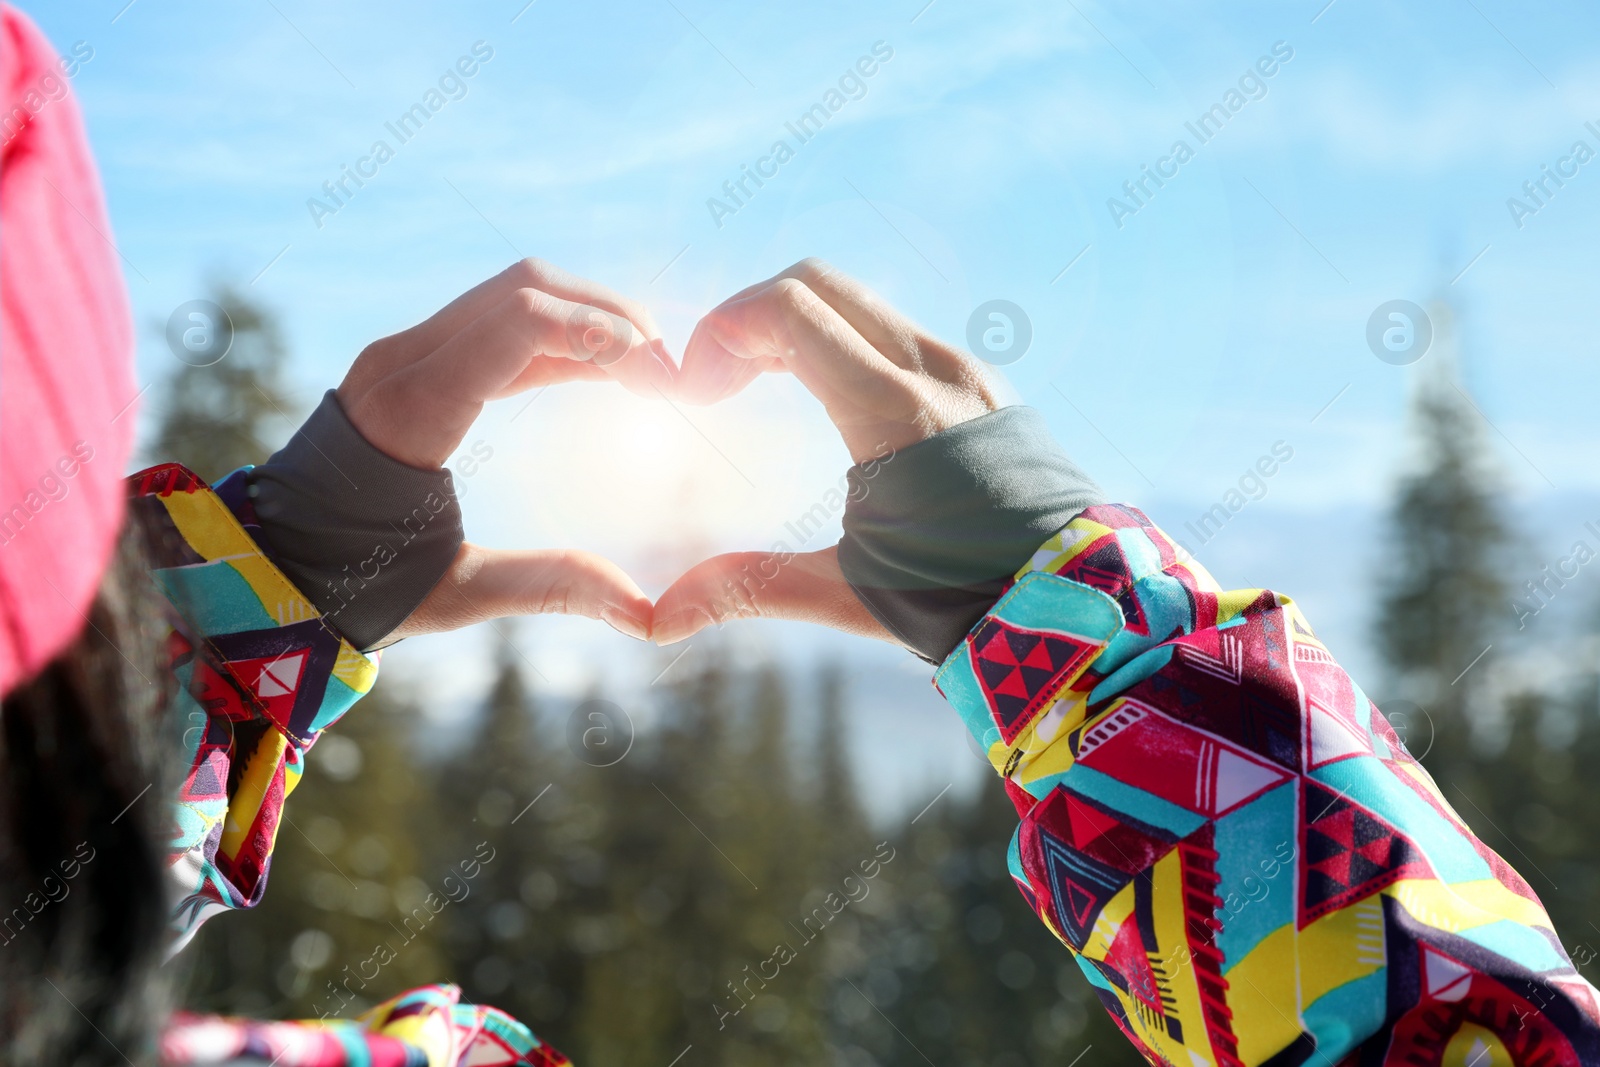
{"points": [[553, 370], [419, 341], [707, 375], [901, 340], [419, 414], [872, 401], [644, 369], [715, 366], [528, 274], [876, 320], [569, 286], [808, 587], [711, 373], [611, 341], [484, 584]]}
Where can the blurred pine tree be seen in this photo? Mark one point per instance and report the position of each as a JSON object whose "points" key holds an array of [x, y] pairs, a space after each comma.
{"points": [[217, 418], [1508, 762], [516, 941], [1443, 595]]}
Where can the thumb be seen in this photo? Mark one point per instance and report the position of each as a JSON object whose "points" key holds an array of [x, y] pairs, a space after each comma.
{"points": [[712, 371], [808, 587], [487, 583]]}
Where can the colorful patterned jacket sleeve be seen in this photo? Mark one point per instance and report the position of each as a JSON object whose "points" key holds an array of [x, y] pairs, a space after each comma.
{"points": [[1247, 864], [426, 1027], [260, 677]]}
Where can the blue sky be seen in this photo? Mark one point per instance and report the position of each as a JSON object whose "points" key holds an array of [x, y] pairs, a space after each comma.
{"points": [[1220, 318]]}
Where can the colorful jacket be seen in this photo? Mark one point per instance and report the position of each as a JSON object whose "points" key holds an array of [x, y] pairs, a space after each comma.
{"points": [[1245, 861], [261, 676], [1234, 843]]}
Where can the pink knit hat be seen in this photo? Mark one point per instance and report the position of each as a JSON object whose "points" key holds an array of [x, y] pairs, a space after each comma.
{"points": [[66, 369]]}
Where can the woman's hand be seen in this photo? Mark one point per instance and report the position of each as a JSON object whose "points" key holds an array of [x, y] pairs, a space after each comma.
{"points": [[415, 394], [885, 382]]}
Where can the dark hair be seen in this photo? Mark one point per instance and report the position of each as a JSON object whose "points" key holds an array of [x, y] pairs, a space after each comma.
{"points": [[83, 811]]}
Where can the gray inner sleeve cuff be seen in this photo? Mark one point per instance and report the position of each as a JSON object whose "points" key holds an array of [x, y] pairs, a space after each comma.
{"points": [[933, 533], [364, 536]]}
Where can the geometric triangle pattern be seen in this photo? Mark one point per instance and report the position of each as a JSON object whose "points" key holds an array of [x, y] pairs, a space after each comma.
{"points": [[1176, 761], [1129, 960], [1104, 566], [1444, 979], [1349, 852], [1077, 855], [285, 671], [1096, 830], [253, 659], [208, 778], [261, 675], [1239, 777], [1078, 887], [1332, 737], [1251, 868], [1339, 714], [1462, 1006], [1018, 669], [1217, 689], [280, 676]]}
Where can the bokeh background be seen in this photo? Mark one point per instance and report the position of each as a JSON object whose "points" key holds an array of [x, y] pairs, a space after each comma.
{"points": [[659, 819]]}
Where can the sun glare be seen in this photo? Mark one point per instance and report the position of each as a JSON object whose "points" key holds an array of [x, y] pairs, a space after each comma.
{"points": [[649, 483]]}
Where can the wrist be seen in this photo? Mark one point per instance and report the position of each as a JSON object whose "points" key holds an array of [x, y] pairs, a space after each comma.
{"points": [[364, 536], [934, 532]]}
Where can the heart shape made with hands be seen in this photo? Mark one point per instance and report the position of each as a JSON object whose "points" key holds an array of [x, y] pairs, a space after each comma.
{"points": [[882, 379]]}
